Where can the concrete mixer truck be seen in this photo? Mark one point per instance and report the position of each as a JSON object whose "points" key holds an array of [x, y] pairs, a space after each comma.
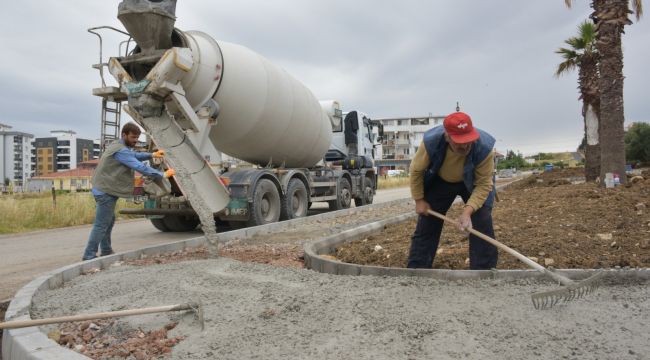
{"points": [[197, 98]]}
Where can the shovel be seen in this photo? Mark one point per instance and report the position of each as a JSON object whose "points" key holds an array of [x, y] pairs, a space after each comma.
{"points": [[572, 289], [196, 307]]}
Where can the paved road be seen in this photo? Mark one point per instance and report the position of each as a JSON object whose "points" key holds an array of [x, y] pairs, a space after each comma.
{"points": [[25, 256]]}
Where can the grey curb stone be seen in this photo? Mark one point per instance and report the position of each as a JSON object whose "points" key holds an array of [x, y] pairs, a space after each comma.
{"points": [[328, 244], [31, 343]]}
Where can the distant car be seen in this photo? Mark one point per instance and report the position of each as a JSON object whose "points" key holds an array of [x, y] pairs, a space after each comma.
{"points": [[506, 173], [395, 173], [535, 171]]}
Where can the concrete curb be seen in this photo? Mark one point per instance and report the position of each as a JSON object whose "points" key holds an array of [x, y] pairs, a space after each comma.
{"points": [[31, 343], [327, 245]]}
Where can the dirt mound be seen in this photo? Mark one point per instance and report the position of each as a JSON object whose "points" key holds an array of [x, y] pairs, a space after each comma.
{"points": [[550, 217]]}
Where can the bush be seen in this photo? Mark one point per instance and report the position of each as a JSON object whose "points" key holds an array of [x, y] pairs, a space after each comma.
{"points": [[637, 143]]}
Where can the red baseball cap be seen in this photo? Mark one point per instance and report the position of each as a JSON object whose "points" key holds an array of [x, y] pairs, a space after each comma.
{"points": [[459, 127]]}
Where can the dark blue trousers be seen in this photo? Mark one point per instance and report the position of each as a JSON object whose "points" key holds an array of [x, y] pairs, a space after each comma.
{"points": [[424, 243]]}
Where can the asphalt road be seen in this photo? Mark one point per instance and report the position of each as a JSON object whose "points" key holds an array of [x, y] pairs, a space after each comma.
{"points": [[24, 257]]}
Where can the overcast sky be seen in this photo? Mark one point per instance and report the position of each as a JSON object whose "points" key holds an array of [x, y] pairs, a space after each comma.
{"points": [[385, 58]]}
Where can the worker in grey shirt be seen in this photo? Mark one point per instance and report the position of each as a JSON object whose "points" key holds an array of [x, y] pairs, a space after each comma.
{"points": [[112, 180]]}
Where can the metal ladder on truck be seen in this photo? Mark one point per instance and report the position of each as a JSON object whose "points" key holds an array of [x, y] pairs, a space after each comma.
{"points": [[112, 96]]}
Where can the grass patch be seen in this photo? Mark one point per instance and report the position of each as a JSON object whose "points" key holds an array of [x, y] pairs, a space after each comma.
{"points": [[29, 212], [393, 182]]}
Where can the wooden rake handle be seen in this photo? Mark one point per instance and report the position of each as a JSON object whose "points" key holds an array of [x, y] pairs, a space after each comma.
{"points": [[492, 241], [103, 315]]}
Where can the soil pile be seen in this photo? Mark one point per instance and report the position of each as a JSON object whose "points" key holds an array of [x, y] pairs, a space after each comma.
{"points": [[552, 217]]}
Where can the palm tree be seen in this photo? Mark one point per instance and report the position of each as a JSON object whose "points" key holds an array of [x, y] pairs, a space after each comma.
{"points": [[582, 54], [610, 18]]}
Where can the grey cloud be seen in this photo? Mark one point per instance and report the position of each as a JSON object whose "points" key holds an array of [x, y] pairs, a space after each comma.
{"points": [[383, 57]]}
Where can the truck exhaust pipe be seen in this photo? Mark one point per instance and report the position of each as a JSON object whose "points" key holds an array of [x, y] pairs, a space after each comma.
{"points": [[150, 22]]}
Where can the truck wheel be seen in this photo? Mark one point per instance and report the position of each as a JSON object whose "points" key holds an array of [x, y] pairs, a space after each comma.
{"points": [[294, 203], [367, 196], [159, 224], [177, 223], [266, 204], [344, 197]]}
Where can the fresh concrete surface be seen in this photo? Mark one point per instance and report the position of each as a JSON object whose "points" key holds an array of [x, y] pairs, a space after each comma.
{"points": [[260, 311]]}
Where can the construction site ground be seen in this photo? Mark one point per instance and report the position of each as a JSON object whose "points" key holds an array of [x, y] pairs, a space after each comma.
{"points": [[264, 305], [546, 217]]}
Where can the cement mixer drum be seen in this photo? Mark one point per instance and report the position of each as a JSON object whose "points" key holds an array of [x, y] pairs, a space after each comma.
{"points": [[266, 116]]}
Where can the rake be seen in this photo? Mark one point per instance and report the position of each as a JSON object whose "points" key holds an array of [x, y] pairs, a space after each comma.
{"points": [[197, 308], [572, 290]]}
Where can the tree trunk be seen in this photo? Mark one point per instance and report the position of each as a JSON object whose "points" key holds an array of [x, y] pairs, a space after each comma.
{"points": [[590, 96], [608, 43], [592, 148]]}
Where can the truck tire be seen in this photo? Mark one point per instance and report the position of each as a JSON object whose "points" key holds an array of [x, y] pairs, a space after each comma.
{"points": [[367, 195], [177, 223], [159, 224], [265, 208], [344, 196], [295, 202]]}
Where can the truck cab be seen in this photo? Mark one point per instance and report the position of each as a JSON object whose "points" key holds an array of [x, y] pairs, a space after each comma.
{"points": [[354, 134]]}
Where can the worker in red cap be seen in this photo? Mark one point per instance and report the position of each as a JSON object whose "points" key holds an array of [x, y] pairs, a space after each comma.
{"points": [[455, 159]]}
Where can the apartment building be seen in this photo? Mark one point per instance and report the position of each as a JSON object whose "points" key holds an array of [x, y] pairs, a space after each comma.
{"points": [[61, 151], [15, 156], [402, 137]]}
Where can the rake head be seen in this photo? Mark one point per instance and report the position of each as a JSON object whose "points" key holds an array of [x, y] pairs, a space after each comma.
{"points": [[573, 291]]}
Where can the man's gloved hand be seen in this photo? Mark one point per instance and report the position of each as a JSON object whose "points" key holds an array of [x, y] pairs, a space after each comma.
{"points": [[158, 154], [169, 173], [465, 219], [422, 206]]}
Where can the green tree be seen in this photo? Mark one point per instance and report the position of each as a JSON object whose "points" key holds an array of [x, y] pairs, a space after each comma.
{"points": [[610, 18], [543, 156], [582, 54], [637, 143], [7, 181], [513, 160]]}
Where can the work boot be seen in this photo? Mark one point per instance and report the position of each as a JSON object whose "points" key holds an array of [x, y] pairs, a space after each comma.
{"points": [[108, 253]]}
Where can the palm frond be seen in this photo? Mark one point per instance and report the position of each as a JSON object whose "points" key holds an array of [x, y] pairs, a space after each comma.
{"points": [[587, 31], [575, 43], [637, 5], [565, 67]]}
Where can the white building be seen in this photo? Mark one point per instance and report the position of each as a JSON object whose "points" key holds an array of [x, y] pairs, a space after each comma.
{"points": [[402, 137], [15, 156]]}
